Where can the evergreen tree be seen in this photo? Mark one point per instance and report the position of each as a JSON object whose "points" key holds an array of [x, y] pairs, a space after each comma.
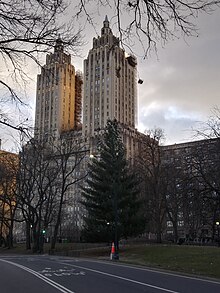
{"points": [[111, 193]]}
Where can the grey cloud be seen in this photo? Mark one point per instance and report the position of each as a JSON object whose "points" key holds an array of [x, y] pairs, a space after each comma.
{"points": [[186, 77], [177, 127]]}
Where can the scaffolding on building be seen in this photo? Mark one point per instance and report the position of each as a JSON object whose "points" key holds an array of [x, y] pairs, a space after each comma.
{"points": [[78, 100]]}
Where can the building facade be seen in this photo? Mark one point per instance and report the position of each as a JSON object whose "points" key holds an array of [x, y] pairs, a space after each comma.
{"points": [[193, 192], [110, 85], [58, 96], [58, 123], [110, 92], [9, 164]]}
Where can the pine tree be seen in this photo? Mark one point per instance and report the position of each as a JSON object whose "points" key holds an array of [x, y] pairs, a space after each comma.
{"points": [[111, 193]]}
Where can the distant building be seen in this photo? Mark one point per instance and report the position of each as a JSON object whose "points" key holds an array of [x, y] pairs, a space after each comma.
{"points": [[58, 120], [9, 164], [194, 169], [110, 91], [58, 96], [110, 84]]}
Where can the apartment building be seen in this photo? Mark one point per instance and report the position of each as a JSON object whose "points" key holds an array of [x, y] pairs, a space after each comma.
{"points": [[192, 198], [9, 164], [58, 95], [110, 85]]}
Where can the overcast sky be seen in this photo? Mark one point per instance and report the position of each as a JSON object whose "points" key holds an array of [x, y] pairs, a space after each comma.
{"points": [[181, 84]]}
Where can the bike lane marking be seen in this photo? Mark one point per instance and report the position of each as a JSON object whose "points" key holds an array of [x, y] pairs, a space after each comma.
{"points": [[122, 278], [42, 277], [156, 271]]}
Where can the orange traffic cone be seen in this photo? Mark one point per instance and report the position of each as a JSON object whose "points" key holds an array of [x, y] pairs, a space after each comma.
{"points": [[112, 251]]}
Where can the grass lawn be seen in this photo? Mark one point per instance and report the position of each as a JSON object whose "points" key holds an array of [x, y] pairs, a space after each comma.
{"points": [[188, 259], [197, 260]]}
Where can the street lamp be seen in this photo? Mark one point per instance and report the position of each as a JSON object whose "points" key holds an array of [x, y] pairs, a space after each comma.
{"points": [[115, 209], [217, 224]]}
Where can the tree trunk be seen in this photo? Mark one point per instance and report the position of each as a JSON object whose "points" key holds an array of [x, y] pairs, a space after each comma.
{"points": [[159, 238], [10, 236], [56, 228], [41, 243], [28, 236], [36, 240], [58, 222], [175, 232], [54, 238], [1, 234]]}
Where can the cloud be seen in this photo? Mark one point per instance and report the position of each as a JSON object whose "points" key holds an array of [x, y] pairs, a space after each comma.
{"points": [[177, 124], [182, 85]]}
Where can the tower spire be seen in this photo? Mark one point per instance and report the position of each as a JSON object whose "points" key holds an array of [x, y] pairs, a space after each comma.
{"points": [[106, 29], [59, 45], [106, 22]]}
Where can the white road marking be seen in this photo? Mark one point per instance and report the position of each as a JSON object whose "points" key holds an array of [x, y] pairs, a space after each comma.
{"points": [[125, 279], [155, 271], [48, 272], [45, 279]]}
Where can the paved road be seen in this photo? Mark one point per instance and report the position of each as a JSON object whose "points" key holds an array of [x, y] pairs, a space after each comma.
{"points": [[51, 274]]}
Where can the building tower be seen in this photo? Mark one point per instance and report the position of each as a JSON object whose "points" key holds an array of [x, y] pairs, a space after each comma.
{"points": [[57, 101], [110, 86]]}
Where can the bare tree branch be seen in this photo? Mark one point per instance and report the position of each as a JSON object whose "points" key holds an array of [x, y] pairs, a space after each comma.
{"points": [[210, 128], [29, 29], [151, 22]]}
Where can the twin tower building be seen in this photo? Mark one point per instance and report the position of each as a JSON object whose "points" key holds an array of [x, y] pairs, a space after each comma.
{"points": [[67, 101]]}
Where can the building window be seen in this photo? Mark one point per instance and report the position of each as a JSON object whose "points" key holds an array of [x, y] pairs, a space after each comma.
{"points": [[180, 223], [169, 224]]}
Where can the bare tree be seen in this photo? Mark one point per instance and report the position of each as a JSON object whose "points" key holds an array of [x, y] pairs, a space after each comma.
{"points": [[206, 162], [206, 165], [210, 128], [70, 153], [153, 183], [49, 173], [174, 178], [185, 205], [36, 191], [150, 22], [29, 29]]}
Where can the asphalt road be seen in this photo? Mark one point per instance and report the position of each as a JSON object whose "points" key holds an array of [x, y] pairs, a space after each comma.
{"points": [[51, 274]]}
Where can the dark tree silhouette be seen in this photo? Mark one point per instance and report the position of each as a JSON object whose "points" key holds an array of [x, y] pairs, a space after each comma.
{"points": [[111, 194]]}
